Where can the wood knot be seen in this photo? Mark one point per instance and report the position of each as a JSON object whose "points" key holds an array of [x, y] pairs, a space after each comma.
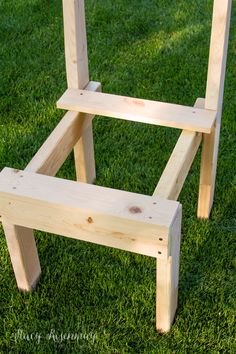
{"points": [[135, 210], [90, 220]]}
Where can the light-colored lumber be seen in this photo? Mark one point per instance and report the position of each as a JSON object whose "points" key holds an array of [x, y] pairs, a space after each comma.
{"points": [[59, 144], [137, 223], [169, 187], [129, 221], [49, 158], [84, 156], [23, 254], [138, 110], [78, 77], [180, 162], [214, 101], [167, 279], [75, 43]]}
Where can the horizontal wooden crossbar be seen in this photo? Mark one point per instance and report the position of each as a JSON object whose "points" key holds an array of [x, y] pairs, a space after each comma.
{"points": [[139, 110], [127, 221]]}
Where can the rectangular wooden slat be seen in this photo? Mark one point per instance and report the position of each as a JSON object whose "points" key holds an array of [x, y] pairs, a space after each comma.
{"points": [[124, 220], [138, 110]]}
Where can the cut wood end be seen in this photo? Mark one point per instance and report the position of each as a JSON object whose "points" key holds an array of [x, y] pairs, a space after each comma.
{"points": [[32, 286]]}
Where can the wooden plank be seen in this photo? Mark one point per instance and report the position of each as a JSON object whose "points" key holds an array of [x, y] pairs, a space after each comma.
{"points": [[59, 144], [180, 162], [84, 157], [23, 254], [78, 77], [20, 240], [75, 43], [138, 110], [84, 154], [167, 279], [48, 160], [214, 101], [124, 220]]}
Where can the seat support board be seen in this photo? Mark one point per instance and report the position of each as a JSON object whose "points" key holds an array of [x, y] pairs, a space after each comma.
{"points": [[124, 220], [138, 110]]}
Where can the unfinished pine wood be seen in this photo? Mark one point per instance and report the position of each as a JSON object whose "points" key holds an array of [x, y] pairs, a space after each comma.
{"points": [[64, 137], [119, 219], [167, 279], [138, 110], [75, 43], [214, 101], [23, 254], [145, 225], [180, 162], [84, 154], [50, 157], [78, 77]]}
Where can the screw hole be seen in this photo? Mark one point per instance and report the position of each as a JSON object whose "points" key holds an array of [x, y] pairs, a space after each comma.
{"points": [[90, 220], [155, 203], [160, 239], [81, 94], [13, 187], [194, 112], [150, 217], [159, 252]]}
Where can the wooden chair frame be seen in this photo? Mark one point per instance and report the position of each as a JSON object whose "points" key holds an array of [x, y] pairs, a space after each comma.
{"points": [[148, 225]]}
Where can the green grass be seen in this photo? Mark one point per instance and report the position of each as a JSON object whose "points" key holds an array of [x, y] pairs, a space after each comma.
{"points": [[144, 48]]}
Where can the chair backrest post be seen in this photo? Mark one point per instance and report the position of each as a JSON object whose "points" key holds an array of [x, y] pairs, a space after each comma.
{"points": [[214, 101]]}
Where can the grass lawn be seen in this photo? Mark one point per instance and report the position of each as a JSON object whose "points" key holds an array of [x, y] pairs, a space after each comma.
{"points": [[155, 49]]}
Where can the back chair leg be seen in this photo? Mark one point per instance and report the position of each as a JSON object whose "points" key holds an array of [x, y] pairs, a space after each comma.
{"points": [[78, 77], [214, 101]]}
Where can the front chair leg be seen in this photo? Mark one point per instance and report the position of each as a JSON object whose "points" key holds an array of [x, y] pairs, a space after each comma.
{"points": [[167, 279], [24, 256]]}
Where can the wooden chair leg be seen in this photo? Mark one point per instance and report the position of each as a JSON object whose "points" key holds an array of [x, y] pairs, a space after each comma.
{"points": [[84, 154], [78, 77], [167, 280], [208, 172], [24, 256], [84, 157], [214, 101]]}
